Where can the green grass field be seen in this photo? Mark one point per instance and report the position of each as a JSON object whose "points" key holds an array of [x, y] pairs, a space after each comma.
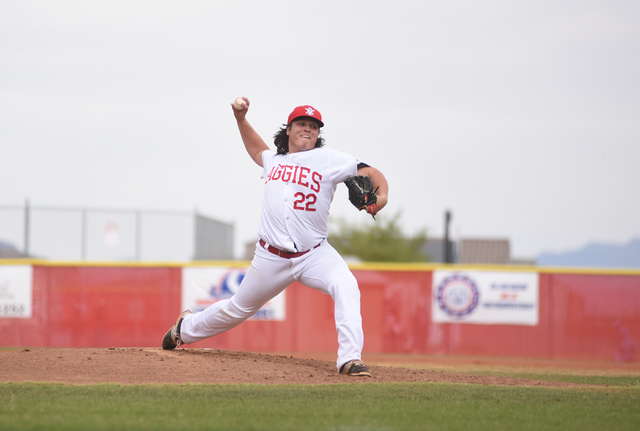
{"points": [[370, 406]]}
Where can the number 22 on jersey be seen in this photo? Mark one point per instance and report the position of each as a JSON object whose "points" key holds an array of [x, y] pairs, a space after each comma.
{"points": [[305, 202]]}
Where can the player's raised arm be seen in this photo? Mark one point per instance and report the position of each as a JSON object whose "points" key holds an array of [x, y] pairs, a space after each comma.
{"points": [[379, 181], [253, 143]]}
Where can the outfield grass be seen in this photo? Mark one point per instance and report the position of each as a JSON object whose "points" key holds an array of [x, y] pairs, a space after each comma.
{"points": [[628, 381], [370, 406]]}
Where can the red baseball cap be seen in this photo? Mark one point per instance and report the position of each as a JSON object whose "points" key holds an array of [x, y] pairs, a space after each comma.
{"points": [[306, 111]]}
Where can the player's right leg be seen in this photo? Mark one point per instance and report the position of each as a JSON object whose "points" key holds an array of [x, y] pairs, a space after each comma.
{"points": [[325, 270], [267, 276]]}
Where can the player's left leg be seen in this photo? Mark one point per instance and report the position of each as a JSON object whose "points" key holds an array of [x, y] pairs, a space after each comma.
{"points": [[325, 270], [267, 276]]}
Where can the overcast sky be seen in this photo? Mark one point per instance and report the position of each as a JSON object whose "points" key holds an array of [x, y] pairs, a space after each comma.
{"points": [[521, 118]]}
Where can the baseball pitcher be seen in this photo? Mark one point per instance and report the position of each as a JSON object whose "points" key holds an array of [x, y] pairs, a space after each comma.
{"points": [[300, 178]]}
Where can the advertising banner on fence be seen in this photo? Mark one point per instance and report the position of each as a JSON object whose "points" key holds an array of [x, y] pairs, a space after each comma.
{"points": [[202, 287], [507, 298], [16, 291]]}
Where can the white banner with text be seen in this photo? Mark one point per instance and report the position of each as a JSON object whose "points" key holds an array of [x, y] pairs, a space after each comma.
{"points": [[16, 291], [484, 297], [202, 287]]}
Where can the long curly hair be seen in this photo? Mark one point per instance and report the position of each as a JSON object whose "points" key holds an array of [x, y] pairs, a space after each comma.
{"points": [[281, 140]]}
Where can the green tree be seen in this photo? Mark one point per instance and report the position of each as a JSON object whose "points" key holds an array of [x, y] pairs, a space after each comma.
{"points": [[378, 241]]}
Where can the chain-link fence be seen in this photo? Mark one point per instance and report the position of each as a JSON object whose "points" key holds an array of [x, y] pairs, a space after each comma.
{"points": [[109, 234]]}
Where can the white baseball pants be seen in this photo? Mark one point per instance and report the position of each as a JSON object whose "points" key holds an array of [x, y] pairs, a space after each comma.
{"points": [[321, 268]]}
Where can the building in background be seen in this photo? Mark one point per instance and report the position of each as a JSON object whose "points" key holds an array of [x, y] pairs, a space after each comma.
{"points": [[486, 251], [213, 239]]}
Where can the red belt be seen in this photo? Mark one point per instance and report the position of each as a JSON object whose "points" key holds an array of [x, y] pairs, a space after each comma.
{"points": [[285, 254]]}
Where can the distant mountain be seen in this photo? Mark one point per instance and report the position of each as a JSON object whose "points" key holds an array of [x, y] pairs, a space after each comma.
{"points": [[8, 251], [596, 256]]}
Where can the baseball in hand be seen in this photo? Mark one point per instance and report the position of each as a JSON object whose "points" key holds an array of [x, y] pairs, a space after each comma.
{"points": [[239, 104]]}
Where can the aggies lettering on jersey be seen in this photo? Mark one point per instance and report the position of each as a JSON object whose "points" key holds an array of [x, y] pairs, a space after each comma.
{"points": [[297, 175]]}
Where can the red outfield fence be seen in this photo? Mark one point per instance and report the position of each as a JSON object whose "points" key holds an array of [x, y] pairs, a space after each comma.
{"points": [[585, 315]]}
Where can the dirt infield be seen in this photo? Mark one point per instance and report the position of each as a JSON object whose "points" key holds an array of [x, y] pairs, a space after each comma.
{"points": [[190, 365]]}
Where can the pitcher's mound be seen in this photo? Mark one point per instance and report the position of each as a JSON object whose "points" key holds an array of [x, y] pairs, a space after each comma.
{"points": [[154, 365]]}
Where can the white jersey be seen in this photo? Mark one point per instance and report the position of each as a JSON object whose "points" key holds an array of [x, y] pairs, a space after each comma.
{"points": [[299, 188]]}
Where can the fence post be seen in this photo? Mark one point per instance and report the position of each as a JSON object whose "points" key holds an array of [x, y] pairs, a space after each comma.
{"points": [[138, 235], [448, 247], [83, 236], [26, 228]]}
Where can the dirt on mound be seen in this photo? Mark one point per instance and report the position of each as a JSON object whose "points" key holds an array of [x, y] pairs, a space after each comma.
{"points": [[154, 365]]}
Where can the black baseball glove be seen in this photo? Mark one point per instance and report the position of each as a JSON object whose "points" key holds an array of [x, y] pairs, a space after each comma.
{"points": [[361, 193]]}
